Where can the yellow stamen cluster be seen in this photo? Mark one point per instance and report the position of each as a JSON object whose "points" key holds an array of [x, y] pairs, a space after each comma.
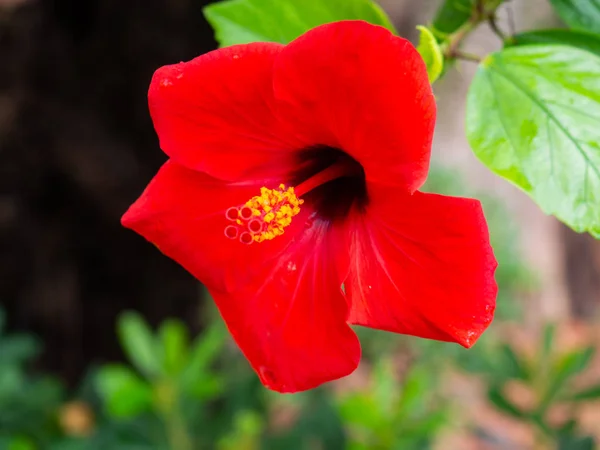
{"points": [[264, 216], [275, 208]]}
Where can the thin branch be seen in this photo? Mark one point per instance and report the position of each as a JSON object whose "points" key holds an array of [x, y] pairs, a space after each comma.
{"points": [[458, 54], [496, 29], [483, 10]]}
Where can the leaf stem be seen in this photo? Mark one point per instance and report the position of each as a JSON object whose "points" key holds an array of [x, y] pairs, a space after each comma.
{"points": [[459, 54], [169, 408], [496, 29], [483, 10]]}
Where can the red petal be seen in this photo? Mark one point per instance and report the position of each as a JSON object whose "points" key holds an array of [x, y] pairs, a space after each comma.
{"points": [[183, 213], [355, 86], [291, 324], [423, 265], [213, 113]]}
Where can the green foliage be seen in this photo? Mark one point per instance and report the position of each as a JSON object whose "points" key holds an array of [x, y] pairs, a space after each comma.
{"points": [[244, 21], [497, 398], [430, 51], [569, 442], [578, 39], [125, 394], [139, 344], [550, 377], [28, 404], [563, 370], [452, 15], [395, 415], [549, 145], [590, 393], [174, 339], [579, 14]]}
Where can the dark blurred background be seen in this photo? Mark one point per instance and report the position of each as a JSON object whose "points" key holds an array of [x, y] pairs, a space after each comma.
{"points": [[77, 148]]}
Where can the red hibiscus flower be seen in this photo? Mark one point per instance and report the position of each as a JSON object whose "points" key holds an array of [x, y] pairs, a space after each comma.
{"points": [[291, 193]]}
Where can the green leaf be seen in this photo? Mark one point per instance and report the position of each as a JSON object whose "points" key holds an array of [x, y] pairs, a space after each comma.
{"points": [[431, 53], [512, 365], [139, 344], [21, 443], [579, 14], [591, 393], [548, 340], [532, 118], [360, 409], [575, 362], [452, 15], [244, 21], [503, 404], [174, 339], [18, 348], [569, 442], [204, 351], [124, 393], [565, 368], [580, 39], [205, 386]]}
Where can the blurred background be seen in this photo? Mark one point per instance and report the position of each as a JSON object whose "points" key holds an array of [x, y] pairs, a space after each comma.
{"points": [[79, 372]]}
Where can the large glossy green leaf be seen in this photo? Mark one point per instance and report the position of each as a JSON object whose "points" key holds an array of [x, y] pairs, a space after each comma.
{"points": [[580, 14], [532, 118], [244, 21], [580, 39]]}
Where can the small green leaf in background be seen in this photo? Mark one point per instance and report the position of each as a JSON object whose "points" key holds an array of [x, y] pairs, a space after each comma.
{"points": [[548, 337], [244, 21], [21, 443], [579, 14], [174, 341], [18, 348], [574, 363], [576, 443], [361, 409], [205, 350], [498, 399], [513, 365], [562, 371], [590, 393], [532, 118], [125, 395], [579, 39], [431, 53], [452, 15], [139, 344]]}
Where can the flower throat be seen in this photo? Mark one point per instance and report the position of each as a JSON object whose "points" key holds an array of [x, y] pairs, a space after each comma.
{"points": [[328, 177]]}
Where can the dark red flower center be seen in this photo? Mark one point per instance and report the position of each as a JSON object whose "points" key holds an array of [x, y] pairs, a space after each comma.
{"points": [[337, 182], [327, 180]]}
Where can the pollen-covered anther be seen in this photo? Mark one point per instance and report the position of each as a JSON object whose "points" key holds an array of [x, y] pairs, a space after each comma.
{"points": [[265, 216]]}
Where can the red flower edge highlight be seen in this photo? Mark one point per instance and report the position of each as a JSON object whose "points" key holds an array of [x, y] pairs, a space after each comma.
{"points": [[293, 171]]}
